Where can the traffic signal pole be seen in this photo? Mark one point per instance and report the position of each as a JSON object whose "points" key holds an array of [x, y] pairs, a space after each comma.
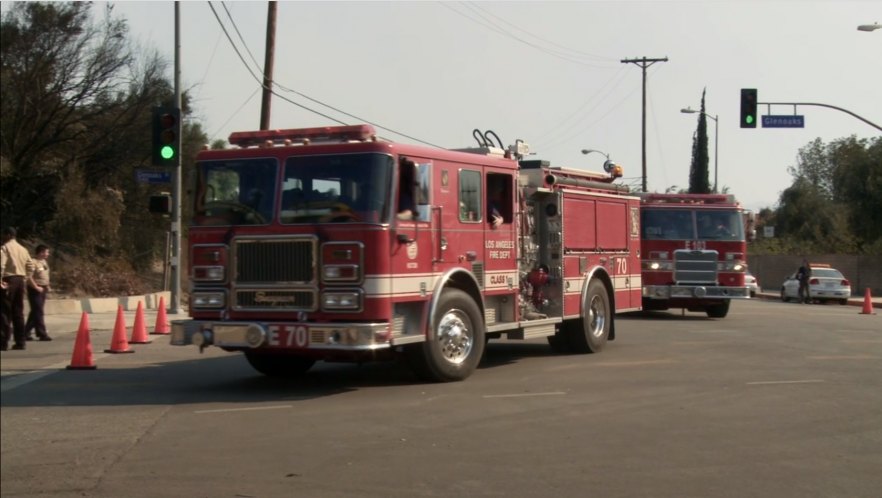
{"points": [[865, 120], [644, 63], [175, 304]]}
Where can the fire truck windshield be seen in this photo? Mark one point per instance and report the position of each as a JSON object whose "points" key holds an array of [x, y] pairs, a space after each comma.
{"points": [[691, 224], [235, 192], [336, 188]]}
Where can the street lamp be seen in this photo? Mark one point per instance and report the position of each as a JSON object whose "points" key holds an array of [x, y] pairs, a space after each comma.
{"points": [[609, 166], [869, 27], [690, 110], [588, 151]]}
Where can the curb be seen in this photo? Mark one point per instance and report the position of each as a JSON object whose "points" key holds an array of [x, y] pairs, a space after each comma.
{"points": [[102, 304], [852, 301]]}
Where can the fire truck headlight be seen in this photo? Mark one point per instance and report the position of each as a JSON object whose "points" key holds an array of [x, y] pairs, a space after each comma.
{"points": [[340, 273], [207, 299], [736, 266], [657, 265], [346, 300], [208, 273]]}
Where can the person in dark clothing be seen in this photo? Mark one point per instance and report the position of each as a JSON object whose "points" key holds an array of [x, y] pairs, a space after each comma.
{"points": [[804, 274], [38, 289]]}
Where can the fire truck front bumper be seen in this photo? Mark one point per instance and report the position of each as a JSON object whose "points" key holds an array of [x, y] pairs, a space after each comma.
{"points": [[288, 336], [694, 292]]}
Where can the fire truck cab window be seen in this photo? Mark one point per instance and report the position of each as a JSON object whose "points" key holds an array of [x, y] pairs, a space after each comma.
{"points": [[470, 196], [667, 224], [352, 188], [719, 225], [240, 192], [499, 205], [407, 208]]}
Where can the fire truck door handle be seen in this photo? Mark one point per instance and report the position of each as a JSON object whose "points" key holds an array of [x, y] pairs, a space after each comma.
{"points": [[404, 239]]}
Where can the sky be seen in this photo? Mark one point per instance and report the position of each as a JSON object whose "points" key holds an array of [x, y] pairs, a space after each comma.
{"points": [[548, 73]]}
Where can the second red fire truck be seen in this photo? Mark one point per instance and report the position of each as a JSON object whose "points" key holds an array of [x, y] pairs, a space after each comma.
{"points": [[331, 244], [694, 252]]}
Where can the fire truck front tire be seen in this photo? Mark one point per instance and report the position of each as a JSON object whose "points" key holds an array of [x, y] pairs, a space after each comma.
{"points": [[455, 343], [718, 310], [590, 333], [282, 366]]}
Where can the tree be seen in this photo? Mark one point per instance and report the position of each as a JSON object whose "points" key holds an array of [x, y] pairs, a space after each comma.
{"points": [[835, 201], [73, 102], [698, 171], [75, 124]]}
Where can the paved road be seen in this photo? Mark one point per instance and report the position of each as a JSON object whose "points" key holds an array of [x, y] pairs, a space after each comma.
{"points": [[778, 399]]}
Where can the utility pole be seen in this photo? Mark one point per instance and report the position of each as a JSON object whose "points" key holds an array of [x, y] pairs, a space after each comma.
{"points": [[644, 63], [268, 65], [175, 305]]}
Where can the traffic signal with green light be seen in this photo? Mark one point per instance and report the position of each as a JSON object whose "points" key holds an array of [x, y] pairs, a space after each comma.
{"points": [[166, 135], [748, 108]]}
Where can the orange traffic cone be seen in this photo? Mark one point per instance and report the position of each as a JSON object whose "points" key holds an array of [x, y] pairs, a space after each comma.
{"points": [[82, 353], [119, 343], [162, 326], [139, 331], [868, 304]]}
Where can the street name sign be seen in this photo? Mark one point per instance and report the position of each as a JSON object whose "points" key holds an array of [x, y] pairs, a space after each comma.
{"points": [[784, 121], [152, 176]]}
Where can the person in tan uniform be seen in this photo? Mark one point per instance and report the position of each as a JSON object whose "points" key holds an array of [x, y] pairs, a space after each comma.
{"points": [[38, 289], [16, 267]]}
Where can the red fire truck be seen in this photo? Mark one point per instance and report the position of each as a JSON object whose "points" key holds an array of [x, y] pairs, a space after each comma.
{"points": [[694, 252], [331, 244]]}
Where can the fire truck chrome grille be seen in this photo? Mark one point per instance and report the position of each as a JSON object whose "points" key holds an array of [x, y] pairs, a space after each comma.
{"points": [[276, 299], [695, 266], [275, 261]]}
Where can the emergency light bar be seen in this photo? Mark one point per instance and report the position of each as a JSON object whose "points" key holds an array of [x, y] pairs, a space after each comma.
{"points": [[359, 133]]}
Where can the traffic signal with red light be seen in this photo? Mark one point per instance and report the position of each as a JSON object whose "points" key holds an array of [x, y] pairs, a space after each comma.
{"points": [[748, 108], [166, 135]]}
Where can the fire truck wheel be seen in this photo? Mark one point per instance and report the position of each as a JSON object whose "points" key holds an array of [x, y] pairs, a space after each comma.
{"points": [[456, 341], [283, 366], [718, 310], [590, 333]]}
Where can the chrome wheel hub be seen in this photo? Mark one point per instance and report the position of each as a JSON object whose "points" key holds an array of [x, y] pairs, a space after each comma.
{"points": [[454, 336]]}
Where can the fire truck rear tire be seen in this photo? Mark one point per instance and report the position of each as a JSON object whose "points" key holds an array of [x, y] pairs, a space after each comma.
{"points": [[456, 342], [590, 333], [718, 310], [282, 366]]}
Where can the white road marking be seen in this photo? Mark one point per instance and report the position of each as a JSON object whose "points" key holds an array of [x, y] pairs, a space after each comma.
{"points": [[524, 395], [11, 382], [769, 382], [842, 357], [247, 409]]}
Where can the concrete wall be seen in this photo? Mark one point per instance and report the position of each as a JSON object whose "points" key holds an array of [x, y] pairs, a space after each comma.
{"points": [[862, 271], [104, 304]]}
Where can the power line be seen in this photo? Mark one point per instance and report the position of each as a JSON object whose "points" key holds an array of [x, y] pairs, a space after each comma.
{"points": [[495, 28], [241, 58], [578, 52]]}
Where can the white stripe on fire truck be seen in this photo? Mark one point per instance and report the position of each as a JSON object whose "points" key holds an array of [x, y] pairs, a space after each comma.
{"points": [[620, 282], [412, 284]]}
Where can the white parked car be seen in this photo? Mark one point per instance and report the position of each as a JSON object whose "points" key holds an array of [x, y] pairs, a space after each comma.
{"points": [[825, 284], [752, 283]]}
